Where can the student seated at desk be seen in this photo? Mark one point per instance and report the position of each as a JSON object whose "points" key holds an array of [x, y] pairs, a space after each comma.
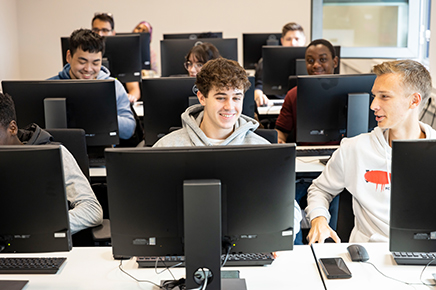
{"points": [[143, 27], [401, 87], [86, 210], [292, 35], [199, 54], [84, 62], [221, 86]]}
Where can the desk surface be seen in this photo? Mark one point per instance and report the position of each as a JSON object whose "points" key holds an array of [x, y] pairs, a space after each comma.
{"points": [[94, 268], [365, 276]]}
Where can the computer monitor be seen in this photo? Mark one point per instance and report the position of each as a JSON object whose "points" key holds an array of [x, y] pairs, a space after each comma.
{"points": [[122, 56], [33, 208], [252, 46], [330, 107], [165, 99], [412, 224], [87, 104], [144, 38], [189, 201], [280, 62], [194, 35], [173, 52]]}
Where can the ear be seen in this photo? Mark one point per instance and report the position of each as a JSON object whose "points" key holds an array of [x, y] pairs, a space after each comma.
{"points": [[335, 62], [13, 128], [69, 56], [201, 98], [415, 100]]}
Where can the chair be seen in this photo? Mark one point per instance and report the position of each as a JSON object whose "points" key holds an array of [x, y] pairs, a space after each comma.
{"points": [[345, 216], [269, 134], [75, 141]]}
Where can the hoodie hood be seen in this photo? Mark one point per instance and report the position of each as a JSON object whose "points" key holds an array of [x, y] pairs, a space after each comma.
{"points": [[33, 135]]}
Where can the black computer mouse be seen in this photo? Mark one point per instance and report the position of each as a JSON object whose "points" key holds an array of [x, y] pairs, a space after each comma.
{"points": [[358, 253]]}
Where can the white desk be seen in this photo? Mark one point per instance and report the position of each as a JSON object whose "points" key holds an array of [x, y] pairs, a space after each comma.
{"points": [[94, 268], [366, 276]]}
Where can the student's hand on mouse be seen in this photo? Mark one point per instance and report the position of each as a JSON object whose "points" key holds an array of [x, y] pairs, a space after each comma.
{"points": [[320, 231], [260, 98]]}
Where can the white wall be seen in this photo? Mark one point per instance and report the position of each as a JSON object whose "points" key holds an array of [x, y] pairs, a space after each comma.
{"points": [[41, 23], [9, 56]]}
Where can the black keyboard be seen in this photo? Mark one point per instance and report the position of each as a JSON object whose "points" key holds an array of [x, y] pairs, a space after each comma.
{"points": [[97, 162], [315, 152], [234, 260], [30, 265], [414, 258]]}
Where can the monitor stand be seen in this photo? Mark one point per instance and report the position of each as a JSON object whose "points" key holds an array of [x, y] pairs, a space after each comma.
{"points": [[203, 240], [55, 113], [358, 114]]}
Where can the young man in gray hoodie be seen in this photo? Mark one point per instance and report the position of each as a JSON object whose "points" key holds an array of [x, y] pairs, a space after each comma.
{"points": [[221, 85]]}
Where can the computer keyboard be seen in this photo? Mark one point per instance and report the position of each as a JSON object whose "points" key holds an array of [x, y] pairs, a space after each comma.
{"points": [[414, 258], [234, 260], [30, 265], [328, 151], [97, 161]]}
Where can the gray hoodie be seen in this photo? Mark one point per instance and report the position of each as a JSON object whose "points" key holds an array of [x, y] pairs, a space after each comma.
{"points": [[192, 135]]}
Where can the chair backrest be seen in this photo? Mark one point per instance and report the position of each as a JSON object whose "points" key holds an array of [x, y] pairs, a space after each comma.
{"points": [[345, 216], [269, 134], [75, 141]]}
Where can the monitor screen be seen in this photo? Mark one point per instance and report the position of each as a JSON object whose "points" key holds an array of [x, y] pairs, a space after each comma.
{"points": [[330, 107], [194, 35], [280, 62], [34, 213], [256, 205], [87, 104], [252, 46], [122, 56], [173, 52], [144, 38], [412, 222], [165, 99]]}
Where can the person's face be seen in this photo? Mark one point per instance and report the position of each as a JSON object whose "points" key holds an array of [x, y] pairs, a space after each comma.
{"points": [[294, 38], [85, 65], [222, 108], [102, 27], [392, 103], [141, 28], [319, 60], [193, 66]]}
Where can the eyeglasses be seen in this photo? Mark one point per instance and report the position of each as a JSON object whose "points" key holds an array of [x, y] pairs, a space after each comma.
{"points": [[103, 30], [196, 65]]}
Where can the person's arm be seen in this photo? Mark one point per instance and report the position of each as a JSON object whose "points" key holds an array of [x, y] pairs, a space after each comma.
{"points": [[86, 210], [134, 92], [297, 218], [282, 136], [330, 183], [126, 120]]}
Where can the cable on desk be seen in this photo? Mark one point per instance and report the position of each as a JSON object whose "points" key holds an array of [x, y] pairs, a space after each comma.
{"points": [[166, 267], [317, 265], [137, 280], [407, 283]]}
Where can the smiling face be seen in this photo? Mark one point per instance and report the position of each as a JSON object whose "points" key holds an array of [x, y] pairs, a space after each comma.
{"points": [[319, 60], [392, 103], [222, 108], [193, 66], [85, 65]]}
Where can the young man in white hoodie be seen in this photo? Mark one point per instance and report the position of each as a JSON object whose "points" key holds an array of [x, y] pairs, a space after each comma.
{"points": [[399, 90], [221, 85]]}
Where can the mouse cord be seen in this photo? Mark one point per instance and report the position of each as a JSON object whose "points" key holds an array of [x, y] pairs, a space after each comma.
{"points": [[407, 283]]}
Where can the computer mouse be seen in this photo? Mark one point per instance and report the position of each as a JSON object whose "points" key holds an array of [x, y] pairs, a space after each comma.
{"points": [[358, 253]]}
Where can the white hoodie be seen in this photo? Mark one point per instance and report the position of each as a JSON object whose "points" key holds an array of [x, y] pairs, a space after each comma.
{"points": [[360, 165]]}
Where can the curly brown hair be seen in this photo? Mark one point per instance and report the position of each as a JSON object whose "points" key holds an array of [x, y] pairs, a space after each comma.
{"points": [[222, 73]]}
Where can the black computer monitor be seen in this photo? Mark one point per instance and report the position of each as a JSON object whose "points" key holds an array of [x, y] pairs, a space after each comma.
{"points": [[33, 208], [165, 99], [173, 52], [252, 46], [412, 223], [87, 104], [183, 200], [280, 62], [330, 107], [122, 56], [144, 38], [194, 35]]}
